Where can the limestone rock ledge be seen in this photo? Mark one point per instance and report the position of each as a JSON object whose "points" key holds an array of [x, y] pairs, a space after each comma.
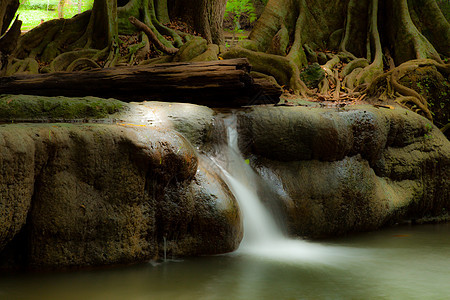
{"points": [[337, 171], [112, 183], [96, 194]]}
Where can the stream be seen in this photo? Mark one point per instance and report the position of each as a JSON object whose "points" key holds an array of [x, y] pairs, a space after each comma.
{"points": [[402, 262]]}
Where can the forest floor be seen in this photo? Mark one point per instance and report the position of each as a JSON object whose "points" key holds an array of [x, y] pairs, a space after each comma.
{"points": [[33, 17]]}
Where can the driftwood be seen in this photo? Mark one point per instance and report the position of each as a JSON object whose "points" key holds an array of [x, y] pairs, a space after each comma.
{"points": [[223, 83]]}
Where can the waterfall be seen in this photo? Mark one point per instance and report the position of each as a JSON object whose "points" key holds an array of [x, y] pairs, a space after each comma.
{"points": [[260, 227], [262, 236]]}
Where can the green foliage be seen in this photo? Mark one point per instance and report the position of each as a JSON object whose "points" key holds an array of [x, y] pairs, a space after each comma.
{"points": [[33, 11], [238, 8], [39, 4]]}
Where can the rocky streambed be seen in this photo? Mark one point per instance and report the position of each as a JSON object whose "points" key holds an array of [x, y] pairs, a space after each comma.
{"points": [[93, 182]]}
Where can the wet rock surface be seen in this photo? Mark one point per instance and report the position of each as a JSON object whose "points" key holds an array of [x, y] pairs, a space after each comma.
{"points": [[96, 194], [346, 170], [134, 184]]}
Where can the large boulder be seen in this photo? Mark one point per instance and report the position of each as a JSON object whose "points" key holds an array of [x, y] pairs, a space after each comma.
{"points": [[85, 195], [345, 170]]}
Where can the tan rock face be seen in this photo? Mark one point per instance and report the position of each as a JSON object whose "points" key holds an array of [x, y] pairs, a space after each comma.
{"points": [[135, 188], [108, 194], [357, 169], [17, 174]]}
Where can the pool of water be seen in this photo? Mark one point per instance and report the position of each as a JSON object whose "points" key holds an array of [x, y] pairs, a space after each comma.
{"points": [[404, 262]]}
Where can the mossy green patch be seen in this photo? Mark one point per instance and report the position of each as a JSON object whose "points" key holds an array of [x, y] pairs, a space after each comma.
{"points": [[23, 107], [312, 75], [435, 87]]}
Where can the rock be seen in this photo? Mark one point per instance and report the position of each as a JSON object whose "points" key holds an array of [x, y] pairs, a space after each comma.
{"points": [[341, 171], [194, 122], [330, 198], [17, 174], [25, 108], [312, 75], [430, 83], [99, 194], [133, 183], [188, 210]]}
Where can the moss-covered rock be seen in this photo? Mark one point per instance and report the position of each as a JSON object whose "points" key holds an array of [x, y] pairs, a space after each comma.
{"points": [[38, 108], [430, 83], [96, 194], [312, 75]]}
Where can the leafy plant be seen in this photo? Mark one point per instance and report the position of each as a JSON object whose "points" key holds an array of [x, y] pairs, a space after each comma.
{"points": [[236, 9], [38, 4]]}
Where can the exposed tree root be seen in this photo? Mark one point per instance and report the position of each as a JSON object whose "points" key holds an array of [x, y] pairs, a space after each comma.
{"points": [[417, 105], [361, 59], [445, 128], [152, 36], [82, 64], [387, 85], [284, 70], [19, 66], [87, 31], [354, 41], [351, 66]]}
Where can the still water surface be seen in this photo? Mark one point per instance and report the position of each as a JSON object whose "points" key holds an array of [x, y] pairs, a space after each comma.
{"points": [[404, 262]]}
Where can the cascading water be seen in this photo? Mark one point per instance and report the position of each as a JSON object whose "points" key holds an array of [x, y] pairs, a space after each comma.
{"points": [[262, 236], [259, 226]]}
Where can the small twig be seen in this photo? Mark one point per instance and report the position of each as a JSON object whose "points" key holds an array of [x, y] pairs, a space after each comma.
{"points": [[152, 36]]}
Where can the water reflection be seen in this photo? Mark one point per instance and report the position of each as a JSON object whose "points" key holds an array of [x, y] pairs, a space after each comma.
{"points": [[397, 263]]}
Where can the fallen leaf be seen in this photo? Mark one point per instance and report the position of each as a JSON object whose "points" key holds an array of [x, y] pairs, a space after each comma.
{"points": [[384, 106]]}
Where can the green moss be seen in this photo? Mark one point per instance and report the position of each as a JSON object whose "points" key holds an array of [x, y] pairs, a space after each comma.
{"points": [[435, 87], [22, 107], [312, 75]]}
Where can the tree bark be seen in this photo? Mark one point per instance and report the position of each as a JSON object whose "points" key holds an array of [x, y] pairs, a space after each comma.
{"points": [[103, 23], [205, 16], [223, 83], [152, 36], [8, 9], [61, 5], [8, 42]]}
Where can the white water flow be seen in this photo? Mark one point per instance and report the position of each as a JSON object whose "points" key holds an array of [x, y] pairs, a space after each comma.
{"points": [[262, 236]]}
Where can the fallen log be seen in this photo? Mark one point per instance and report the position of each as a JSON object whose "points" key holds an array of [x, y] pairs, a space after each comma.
{"points": [[223, 83]]}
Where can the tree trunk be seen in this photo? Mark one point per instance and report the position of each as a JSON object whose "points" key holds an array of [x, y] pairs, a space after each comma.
{"points": [[8, 40], [8, 9], [206, 16], [162, 11], [103, 24], [224, 83], [357, 28], [61, 5]]}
